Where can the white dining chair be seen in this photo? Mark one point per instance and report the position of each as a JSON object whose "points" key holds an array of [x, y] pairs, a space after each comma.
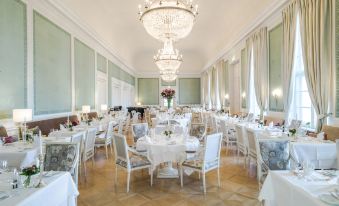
{"points": [[241, 143], [107, 139], [154, 122], [252, 148], [139, 130], [89, 147], [160, 129], [61, 156], [209, 161], [126, 162], [229, 137]]}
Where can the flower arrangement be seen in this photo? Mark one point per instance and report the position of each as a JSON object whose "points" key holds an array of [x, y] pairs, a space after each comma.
{"points": [[69, 125], [168, 133], [292, 132], [28, 172], [168, 93]]}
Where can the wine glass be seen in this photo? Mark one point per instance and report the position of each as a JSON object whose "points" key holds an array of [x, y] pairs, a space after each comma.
{"points": [[3, 165], [308, 168]]}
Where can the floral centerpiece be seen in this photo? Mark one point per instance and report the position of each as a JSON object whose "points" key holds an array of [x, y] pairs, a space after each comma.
{"points": [[169, 95], [69, 125], [168, 133], [28, 172], [292, 132]]}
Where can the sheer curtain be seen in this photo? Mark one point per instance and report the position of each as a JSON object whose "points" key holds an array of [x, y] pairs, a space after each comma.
{"points": [[316, 35], [221, 83], [289, 31], [260, 70], [249, 50]]}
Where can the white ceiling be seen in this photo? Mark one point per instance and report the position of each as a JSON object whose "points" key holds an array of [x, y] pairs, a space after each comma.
{"points": [[218, 24]]}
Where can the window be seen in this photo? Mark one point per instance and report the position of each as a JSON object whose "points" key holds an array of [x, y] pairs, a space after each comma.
{"points": [[301, 106]]}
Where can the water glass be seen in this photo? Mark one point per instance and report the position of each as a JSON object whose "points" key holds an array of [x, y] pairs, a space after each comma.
{"points": [[3, 165], [308, 167]]}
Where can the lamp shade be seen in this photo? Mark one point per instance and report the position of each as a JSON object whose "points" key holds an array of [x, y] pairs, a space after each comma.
{"points": [[104, 107], [86, 109], [22, 115]]}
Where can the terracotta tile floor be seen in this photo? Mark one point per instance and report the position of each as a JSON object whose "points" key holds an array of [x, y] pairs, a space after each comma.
{"points": [[237, 188]]}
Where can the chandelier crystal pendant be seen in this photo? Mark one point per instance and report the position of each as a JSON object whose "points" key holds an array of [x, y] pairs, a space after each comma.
{"points": [[168, 58], [168, 19]]}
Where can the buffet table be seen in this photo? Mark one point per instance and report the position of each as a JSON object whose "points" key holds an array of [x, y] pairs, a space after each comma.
{"points": [[59, 190]]}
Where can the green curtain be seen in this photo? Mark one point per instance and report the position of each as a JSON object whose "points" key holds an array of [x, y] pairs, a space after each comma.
{"points": [[13, 56], [84, 61]]}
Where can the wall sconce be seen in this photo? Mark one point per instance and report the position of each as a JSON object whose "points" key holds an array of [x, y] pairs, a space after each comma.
{"points": [[139, 104], [243, 95], [227, 97]]}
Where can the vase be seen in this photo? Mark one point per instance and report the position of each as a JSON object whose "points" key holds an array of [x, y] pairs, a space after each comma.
{"points": [[169, 103], [29, 181]]}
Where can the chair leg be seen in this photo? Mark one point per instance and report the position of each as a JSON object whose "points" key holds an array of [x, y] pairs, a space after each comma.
{"points": [[204, 182], [93, 162], [181, 177], [128, 179], [106, 152], [111, 149], [218, 171], [199, 176], [116, 175], [85, 169], [151, 176]]}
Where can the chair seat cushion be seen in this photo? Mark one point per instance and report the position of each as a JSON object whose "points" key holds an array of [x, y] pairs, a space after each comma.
{"points": [[135, 161], [99, 140], [197, 164]]}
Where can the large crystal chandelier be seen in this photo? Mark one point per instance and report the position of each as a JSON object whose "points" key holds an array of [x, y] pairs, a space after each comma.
{"points": [[167, 58], [169, 75], [168, 19]]}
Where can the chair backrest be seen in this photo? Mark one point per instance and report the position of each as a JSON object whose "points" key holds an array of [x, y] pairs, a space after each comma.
{"points": [[79, 139], [223, 127], [121, 126], [240, 135], [89, 144], [135, 117], [212, 147], [154, 122], [109, 132], [61, 157], [120, 148], [160, 129], [337, 144], [251, 141], [198, 130], [275, 154], [178, 130], [139, 130]]}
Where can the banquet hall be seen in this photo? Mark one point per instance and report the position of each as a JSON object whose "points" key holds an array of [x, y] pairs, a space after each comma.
{"points": [[169, 102]]}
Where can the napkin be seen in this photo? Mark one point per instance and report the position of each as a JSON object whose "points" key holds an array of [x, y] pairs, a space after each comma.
{"points": [[271, 125], [320, 136], [62, 127]]}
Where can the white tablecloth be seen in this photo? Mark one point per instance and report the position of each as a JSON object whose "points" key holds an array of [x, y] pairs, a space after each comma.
{"points": [[161, 149], [60, 190], [282, 188], [18, 154]]}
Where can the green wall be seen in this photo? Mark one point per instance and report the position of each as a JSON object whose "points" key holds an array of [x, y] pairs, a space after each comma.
{"points": [[148, 91], [275, 67], [13, 56], [101, 63], [52, 68], [189, 91], [84, 64], [165, 84]]}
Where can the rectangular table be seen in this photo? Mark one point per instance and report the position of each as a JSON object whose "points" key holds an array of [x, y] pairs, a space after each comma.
{"points": [[18, 154], [282, 188], [59, 190]]}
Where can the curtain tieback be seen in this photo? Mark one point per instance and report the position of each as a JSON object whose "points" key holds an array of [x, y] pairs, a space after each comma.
{"points": [[323, 116]]}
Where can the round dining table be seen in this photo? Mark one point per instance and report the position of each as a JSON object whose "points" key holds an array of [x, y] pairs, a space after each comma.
{"points": [[162, 149]]}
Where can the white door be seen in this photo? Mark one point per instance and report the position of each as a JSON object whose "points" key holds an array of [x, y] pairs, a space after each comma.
{"points": [[116, 95]]}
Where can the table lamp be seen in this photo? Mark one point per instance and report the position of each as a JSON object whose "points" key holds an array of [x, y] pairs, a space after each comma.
{"points": [[85, 110], [104, 107], [21, 116]]}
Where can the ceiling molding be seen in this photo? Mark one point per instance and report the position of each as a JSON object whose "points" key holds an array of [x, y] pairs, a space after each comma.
{"points": [[91, 32], [257, 22]]}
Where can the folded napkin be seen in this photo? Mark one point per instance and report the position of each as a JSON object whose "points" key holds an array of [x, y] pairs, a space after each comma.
{"points": [[62, 127], [271, 125]]}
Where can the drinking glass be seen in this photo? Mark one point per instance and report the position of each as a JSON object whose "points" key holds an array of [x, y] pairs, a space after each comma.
{"points": [[308, 168], [3, 165]]}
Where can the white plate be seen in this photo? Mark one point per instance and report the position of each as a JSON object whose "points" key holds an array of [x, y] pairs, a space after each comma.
{"points": [[329, 199]]}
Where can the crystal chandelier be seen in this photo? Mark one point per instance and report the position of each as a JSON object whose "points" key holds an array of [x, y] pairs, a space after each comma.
{"points": [[168, 58], [169, 75], [168, 19]]}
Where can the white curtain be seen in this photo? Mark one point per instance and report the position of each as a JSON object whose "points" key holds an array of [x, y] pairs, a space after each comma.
{"points": [[209, 88], [221, 82], [249, 49], [289, 35], [316, 35], [214, 92], [260, 71]]}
